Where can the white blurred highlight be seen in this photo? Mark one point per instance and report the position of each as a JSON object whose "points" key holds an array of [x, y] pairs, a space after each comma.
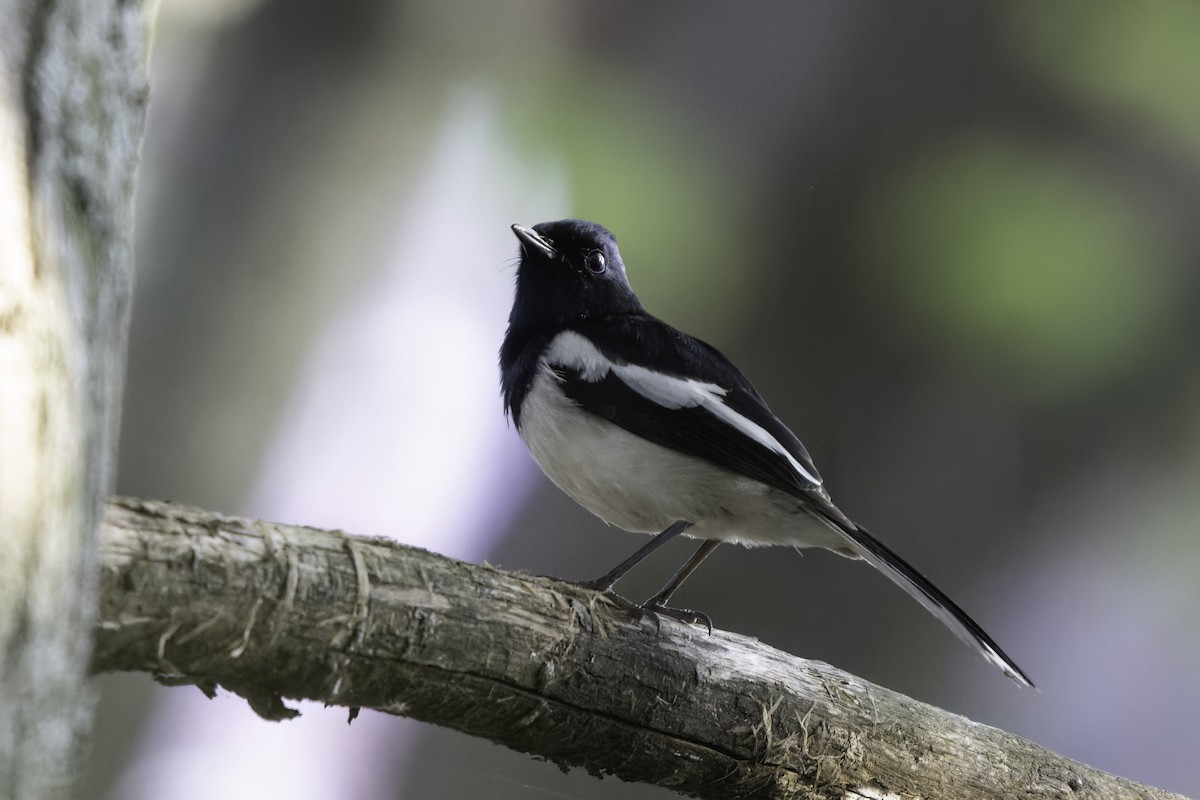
{"points": [[395, 428]]}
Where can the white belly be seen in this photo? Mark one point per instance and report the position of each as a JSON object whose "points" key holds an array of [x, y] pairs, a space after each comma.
{"points": [[640, 486]]}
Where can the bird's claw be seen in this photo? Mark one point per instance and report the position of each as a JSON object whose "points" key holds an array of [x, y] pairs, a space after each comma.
{"points": [[636, 611], [655, 611], [685, 615], [602, 585]]}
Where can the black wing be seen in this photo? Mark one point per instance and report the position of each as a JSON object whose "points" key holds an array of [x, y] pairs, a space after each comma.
{"points": [[706, 430], [694, 430]]}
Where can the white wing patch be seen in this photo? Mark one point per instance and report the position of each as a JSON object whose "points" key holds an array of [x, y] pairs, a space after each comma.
{"points": [[667, 391], [569, 349], [574, 351]]}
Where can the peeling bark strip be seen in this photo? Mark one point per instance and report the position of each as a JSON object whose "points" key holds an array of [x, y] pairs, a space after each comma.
{"points": [[270, 611]]}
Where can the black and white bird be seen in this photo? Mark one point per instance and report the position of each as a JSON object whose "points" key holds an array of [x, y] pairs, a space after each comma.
{"points": [[655, 431]]}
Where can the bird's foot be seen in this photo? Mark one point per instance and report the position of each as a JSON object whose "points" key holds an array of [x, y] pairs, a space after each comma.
{"points": [[653, 610], [685, 615], [636, 611], [602, 585]]}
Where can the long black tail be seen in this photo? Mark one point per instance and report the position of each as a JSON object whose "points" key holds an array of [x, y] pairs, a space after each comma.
{"points": [[935, 601]]}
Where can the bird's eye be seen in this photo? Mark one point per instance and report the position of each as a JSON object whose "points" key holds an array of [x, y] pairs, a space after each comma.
{"points": [[594, 261]]}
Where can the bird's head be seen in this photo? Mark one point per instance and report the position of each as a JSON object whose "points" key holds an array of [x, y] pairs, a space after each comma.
{"points": [[570, 270]]}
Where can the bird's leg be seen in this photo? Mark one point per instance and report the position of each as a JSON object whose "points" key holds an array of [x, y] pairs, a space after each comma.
{"points": [[658, 603], [609, 579]]}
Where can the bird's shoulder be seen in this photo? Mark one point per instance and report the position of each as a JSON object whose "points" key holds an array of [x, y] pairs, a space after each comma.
{"points": [[647, 341]]}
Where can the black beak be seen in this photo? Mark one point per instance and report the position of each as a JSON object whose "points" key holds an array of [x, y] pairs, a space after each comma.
{"points": [[531, 238]]}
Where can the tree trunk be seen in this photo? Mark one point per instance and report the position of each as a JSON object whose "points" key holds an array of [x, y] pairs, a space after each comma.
{"points": [[72, 94], [271, 611]]}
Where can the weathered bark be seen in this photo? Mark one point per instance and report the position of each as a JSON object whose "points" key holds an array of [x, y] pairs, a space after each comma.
{"points": [[271, 611], [72, 94]]}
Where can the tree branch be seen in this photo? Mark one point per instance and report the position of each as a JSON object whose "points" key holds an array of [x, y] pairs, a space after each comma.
{"points": [[271, 611]]}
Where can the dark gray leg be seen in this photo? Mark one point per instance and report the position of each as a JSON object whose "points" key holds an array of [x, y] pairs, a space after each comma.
{"points": [[606, 581], [664, 594], [658, 603]]}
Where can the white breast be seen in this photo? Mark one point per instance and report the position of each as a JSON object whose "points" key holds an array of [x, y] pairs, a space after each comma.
{"points": [[640, 486]]}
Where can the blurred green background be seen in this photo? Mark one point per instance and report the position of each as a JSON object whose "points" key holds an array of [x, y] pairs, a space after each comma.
{"points": [[955, 245]]}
